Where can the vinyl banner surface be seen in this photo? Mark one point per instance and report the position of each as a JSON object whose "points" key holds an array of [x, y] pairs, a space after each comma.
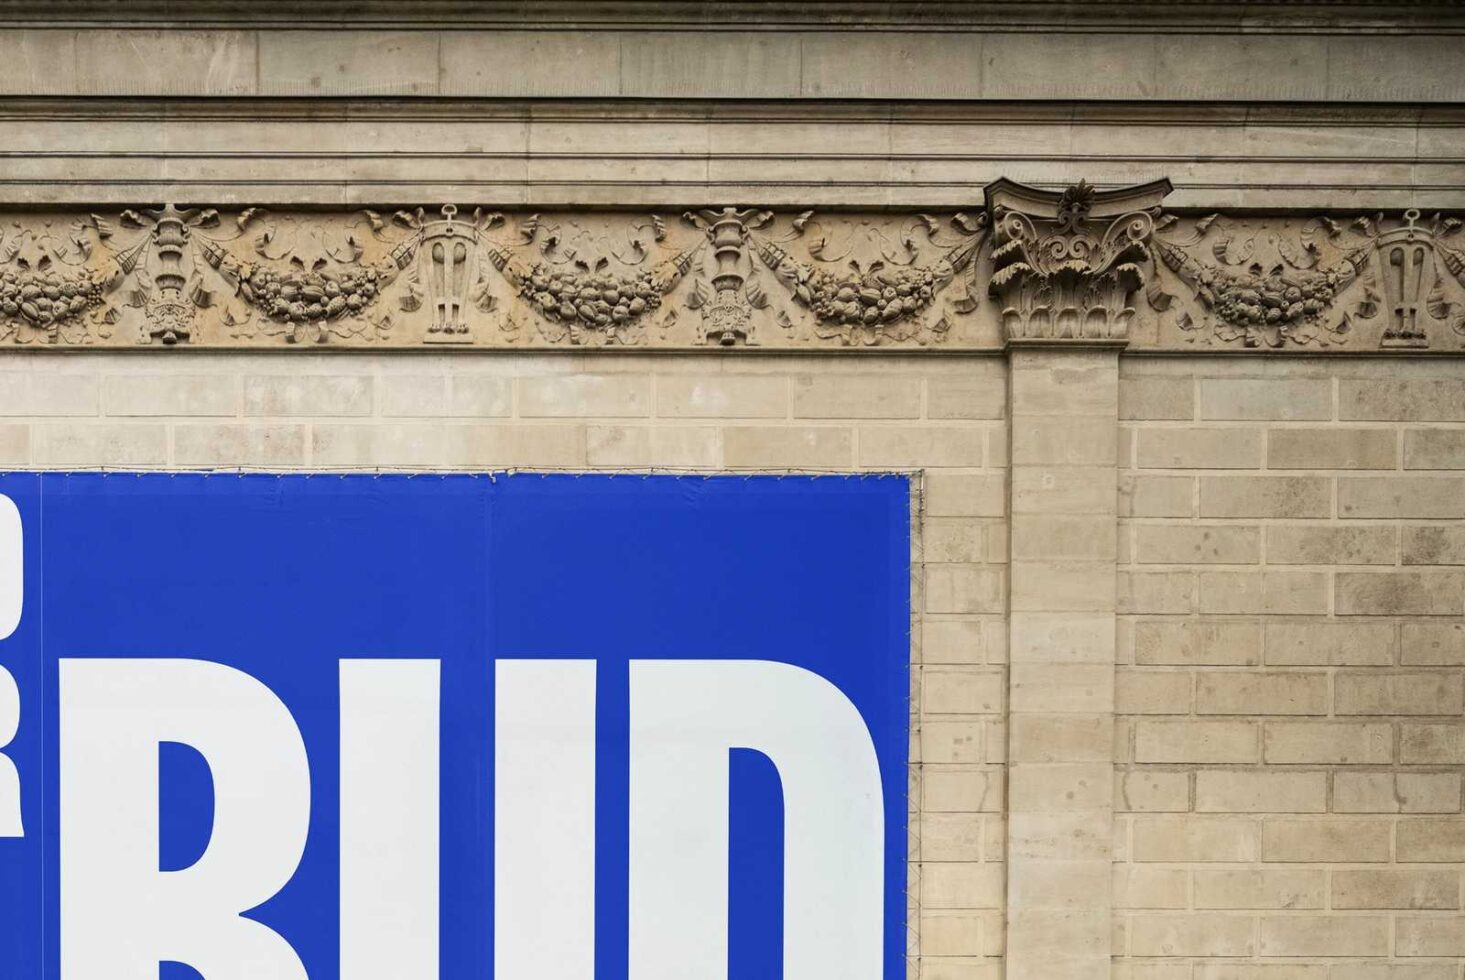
{"points": [[407, 728]]}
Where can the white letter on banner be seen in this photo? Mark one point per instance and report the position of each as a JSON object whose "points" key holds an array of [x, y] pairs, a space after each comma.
{"points": [[686, 715], [120, 915], [389, 819], [12, 567], [544, 820], [10, 824]]}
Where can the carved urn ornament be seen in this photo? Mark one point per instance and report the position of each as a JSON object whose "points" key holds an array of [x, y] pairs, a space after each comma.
{"points": [[1067, 265]]}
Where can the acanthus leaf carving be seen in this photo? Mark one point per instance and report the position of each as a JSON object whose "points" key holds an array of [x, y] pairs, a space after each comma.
{"points": [[1067, 265]]}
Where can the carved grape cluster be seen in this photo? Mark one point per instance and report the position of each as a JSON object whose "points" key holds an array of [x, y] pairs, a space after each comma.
{"points": [[1274, 300], [595, 299], [301, 297], [887, 295], [47, 298]]}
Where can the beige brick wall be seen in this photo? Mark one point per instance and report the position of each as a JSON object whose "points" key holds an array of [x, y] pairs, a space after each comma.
{"points": [[941, 415], [1291, 651]]}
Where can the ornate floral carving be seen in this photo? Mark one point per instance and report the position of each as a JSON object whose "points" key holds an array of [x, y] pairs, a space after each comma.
{"points": [[583, 298], [1060, 267], [47, 291], [883, 290], [1267, 285], [296, 286], [1065, 266]]}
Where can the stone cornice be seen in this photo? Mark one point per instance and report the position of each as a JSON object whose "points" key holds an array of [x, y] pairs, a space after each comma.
{"points": [[1223, 16], [1077, 265]]}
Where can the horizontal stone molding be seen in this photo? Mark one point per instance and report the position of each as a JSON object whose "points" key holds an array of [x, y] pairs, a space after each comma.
{"points": [[1081, 266]]}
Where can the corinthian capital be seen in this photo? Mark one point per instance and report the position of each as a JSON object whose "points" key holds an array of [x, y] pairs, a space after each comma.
{"points": [[1066, 265]]}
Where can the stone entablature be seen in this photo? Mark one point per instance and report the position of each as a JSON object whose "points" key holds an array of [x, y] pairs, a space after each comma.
{"points": [[1073, 265]]}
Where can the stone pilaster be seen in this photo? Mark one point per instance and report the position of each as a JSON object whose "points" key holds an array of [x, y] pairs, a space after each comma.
{"points": [[1064, 412]]}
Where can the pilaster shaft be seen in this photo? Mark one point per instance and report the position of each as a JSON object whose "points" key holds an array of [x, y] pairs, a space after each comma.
{"points": [[1064, 414]]}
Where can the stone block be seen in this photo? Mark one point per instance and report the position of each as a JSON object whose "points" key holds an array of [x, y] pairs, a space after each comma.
{"points": [[1155, 593], [1078, 586], [1060, 536], [1064, 490], [1435, 692], [1153, 692], [1166, 398], [948, 539], [787, 447], [1082, 788], [961, 885], [1327, 743], [961, 690], [1195, 741], [1430, 936], [1261, 693], [1064, 441], [348, 62], [580, 395], [952, 641], [1290, 399], [1318, 935], [1266, 496], [946, 789], [1060, 738], [226, 445], [950, 741], [1411, 889], [1063, 687], [856, 396], [1302, 544], [1434, 544], [945, 933], [1325, 840], [1191, 934], [298, 395], [639, 446], [84, 445], [1431, 839], [1270, 592], [1199, 447], [1062, 637], [1433, 644], [1137, 887], [964, 494], [1399, 593], [963, 589], [1403, 792], [983, 396], [1434, 449], [1309, 643], [167, 62], [1272, 888], [1422, 743], [1253, 791], [1332, 449], [1067, 383], [1151, 791], [1197, 643], [1197, 544], [920, 446], [1394, 497], [951, 837], [50, 394], [1413, 400], [15, 444], [1187, 839], [444, 396], [1156, 496]]}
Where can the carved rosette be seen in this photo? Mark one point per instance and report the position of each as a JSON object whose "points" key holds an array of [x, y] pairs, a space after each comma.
{"points": [[1066, 265]]}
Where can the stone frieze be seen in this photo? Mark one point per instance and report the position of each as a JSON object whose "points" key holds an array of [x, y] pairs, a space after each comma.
{"points": [[1073, 265]]}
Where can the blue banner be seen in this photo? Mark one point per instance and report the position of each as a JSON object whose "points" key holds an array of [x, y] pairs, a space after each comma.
{"points": [[401, 728]]}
